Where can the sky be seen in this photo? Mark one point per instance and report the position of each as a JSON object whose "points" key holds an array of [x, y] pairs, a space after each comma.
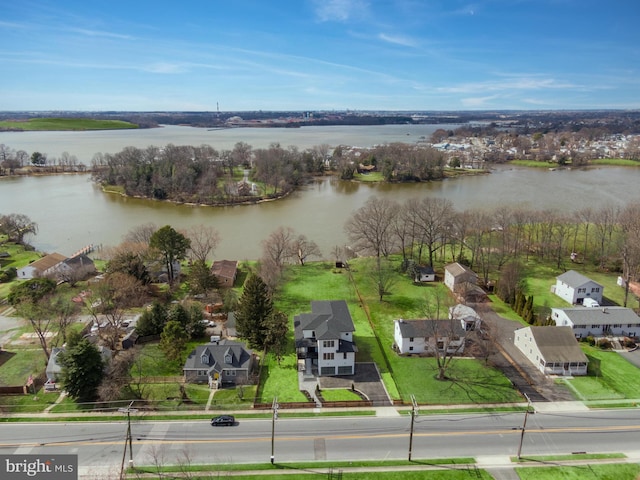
{"points": [[244, 55]]}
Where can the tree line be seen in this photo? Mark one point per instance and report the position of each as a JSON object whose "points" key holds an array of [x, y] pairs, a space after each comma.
{"points": [[426, 230], [205, 175]]}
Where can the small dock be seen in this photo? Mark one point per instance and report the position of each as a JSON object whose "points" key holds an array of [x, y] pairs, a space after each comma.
{"points": [[84, 251]]}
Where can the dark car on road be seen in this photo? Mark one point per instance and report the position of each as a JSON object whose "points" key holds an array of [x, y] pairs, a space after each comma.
{"points": [[223, 420]]}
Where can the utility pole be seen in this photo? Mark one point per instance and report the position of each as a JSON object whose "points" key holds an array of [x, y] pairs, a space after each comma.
{"points": [[414, 413], [524, 425], [127, 441], [274, 416]]}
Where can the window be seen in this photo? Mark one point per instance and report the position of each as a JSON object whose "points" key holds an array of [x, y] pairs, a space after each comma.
{"points": [[344, 355], [616, 325], [595, 326], [328, 343], [595, 289], [229, 373], [327, 356], [202, 373], [582, 290], [411, 339], [411, 349]]}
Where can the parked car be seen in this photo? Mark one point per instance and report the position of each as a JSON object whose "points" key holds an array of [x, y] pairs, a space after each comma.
{"points": [[223, 420], [208, 323]]}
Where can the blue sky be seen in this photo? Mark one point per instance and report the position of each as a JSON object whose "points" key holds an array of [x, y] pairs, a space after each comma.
{"points": [[319, 54]]}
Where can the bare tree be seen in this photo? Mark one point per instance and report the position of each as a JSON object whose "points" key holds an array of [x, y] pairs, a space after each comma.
{"points": [[204, 241], [630, 245], [16, 226], [276, 249], [41, 319], [140, 234], [444, 333], [370, 227], [605, 221], [303, 248], [109, 300]]}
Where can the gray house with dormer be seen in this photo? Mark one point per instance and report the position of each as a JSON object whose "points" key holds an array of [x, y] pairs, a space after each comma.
{"points": [[218, 364], [324, 339]]}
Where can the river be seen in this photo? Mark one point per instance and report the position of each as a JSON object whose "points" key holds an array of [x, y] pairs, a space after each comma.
{"points": [[71, 212]]}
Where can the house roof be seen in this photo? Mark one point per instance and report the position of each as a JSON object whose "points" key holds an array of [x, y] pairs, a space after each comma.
{"points": [[329, 319], [225, 268], [79, 261], [461, 311], [48, 261], [557, 344], [574, 279], [601, 315], [425, 270], [429, 328], [225, 355], [457, 269]]}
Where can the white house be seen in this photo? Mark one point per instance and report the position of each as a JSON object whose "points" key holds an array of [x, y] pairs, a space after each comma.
{"points": [[425, 336], [598, 321], [573, 287], [455, 275], [552, 350], [324, 339], [42, 267], [467, 316], [424, 274]]}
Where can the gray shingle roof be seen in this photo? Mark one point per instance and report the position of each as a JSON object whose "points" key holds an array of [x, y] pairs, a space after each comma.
{"points": [[574, 279], [601, 315], [217, 357], [328, 319], [558, 344], [430, 328]]}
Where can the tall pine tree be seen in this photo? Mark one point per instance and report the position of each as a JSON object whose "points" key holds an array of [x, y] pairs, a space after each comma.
{"points": [[254, 308]]}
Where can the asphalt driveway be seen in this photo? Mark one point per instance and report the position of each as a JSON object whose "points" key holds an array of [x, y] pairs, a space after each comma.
{"points": [[366, 380]]}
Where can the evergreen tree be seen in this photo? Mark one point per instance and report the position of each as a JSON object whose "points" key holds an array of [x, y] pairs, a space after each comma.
{"points": [[527, 311], [152, 321], [277, 327], [172, 246], [173, 340], [254, 308], [82, 371]]}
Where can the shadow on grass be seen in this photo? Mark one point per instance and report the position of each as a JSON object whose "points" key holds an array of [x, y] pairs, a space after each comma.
{"points": [[5, 356]]}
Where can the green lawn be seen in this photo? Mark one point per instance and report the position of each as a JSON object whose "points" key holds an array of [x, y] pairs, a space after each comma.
{"points": [[610, 377], [620, 471], [340, 395], [622, 162], [66, 124]]}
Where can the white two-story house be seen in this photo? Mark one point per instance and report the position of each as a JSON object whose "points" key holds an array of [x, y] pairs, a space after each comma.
{"points": [[573, 287], [324, 339]]}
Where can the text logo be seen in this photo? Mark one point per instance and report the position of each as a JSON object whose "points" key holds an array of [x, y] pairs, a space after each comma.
{"points": [[39, 467]]}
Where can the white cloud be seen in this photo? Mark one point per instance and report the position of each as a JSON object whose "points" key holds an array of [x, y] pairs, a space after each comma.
{"points": [[397, 40], [340, 10], [98, 33]]}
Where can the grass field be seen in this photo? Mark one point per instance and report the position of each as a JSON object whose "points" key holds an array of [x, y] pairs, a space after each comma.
{"points": [[608, 377], [54, 124], [620, 471]]}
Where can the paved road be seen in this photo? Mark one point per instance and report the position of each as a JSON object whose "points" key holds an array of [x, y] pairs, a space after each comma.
{"points": [[329, 438], [515, 365]]}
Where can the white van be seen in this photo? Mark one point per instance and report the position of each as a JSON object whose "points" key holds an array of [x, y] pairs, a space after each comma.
{"points": [[590, 302]]}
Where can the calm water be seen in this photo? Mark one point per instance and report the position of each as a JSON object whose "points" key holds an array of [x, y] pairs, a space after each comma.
{"points": [[85, 144], [71, 212]]}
